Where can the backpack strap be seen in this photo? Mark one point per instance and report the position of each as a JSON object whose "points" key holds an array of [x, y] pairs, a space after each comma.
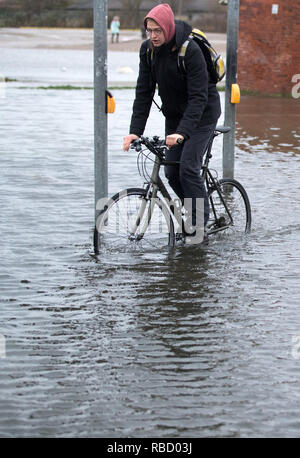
{"points": [[181, 55], [150, 52]]}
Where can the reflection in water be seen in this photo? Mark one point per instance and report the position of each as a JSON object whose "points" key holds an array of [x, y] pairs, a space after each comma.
{"points": [[268, 124], [191, 342]]}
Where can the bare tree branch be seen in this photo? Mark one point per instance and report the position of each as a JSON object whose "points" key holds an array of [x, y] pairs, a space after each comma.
{"points": [[37, 6]]}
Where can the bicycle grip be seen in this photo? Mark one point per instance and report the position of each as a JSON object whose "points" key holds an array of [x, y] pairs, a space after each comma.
{"points": [[135, 144]]}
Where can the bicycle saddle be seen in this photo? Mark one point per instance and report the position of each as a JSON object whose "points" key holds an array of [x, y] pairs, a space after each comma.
{"points": [[222, 129]]}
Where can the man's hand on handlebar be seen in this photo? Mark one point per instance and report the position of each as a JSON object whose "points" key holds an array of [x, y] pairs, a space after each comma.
{"points": [[127, 141], [174, 139]]}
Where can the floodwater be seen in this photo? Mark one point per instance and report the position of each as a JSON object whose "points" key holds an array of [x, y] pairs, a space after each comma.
{"points": [[193, 342], [58, 66]]}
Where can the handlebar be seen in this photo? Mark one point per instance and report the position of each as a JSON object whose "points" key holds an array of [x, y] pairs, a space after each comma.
{"points": [[155, 144], [158, 143]]}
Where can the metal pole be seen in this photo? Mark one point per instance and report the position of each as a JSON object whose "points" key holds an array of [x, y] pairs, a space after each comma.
{"points": [[231, 75], [100, 85]]}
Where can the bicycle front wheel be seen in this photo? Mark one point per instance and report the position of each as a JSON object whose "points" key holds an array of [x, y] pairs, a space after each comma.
{"points": [[131, 219], [230, 208]]}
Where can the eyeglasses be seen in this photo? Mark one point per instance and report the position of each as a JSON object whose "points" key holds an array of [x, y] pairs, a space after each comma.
{"points": [[154, 31]]}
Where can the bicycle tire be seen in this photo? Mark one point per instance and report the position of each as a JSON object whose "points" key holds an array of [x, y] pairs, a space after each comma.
{"points": [[238, 220], [113, 230]]}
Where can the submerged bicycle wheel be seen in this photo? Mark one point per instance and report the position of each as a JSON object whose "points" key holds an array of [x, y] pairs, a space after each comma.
{"points": [[130, 220], [230, 209]]}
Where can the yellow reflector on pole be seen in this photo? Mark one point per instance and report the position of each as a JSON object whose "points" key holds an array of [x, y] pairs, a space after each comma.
{"points": [[110, 102], [235, 93]]}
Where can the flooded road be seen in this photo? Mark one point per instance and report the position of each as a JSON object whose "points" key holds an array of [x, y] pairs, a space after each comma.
{"points": [[189, 343]]}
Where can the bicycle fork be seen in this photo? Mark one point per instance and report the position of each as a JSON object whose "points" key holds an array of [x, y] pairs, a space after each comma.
{"points": [[142, 220]]}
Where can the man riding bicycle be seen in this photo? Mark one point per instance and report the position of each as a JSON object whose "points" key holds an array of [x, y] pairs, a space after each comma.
{"points": [[190, 104]]}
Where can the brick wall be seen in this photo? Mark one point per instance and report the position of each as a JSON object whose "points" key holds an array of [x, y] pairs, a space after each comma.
{"points": [[269, 45]]}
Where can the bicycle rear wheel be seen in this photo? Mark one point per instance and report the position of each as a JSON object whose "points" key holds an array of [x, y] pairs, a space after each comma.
{"points": [[131, 220], [230, 208]]}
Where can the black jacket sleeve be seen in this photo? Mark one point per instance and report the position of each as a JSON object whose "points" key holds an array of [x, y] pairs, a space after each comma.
{"points": [[197, 90], [144, 93]]}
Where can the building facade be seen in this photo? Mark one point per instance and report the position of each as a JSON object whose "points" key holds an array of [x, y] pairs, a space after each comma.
{"points": [[269, 50]]}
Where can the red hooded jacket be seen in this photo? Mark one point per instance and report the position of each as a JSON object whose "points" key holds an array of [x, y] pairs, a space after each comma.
{"points": [[163, 15], [188, 101]]}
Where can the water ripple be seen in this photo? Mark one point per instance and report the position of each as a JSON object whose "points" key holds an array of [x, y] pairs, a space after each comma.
{"points": [[187, 343]]}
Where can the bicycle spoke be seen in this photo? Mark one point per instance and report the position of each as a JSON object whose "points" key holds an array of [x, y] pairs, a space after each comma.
{"points": [[230, 208], [133, 219], [131, 222]]}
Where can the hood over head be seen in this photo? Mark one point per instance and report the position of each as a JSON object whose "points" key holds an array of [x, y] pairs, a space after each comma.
{"points": [[164, 16]]}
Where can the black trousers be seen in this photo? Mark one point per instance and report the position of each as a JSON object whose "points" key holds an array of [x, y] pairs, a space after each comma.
{"points": [[185, 178]]}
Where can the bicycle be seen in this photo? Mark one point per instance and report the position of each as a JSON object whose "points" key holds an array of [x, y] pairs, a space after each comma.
{"points": [[148, 215]]}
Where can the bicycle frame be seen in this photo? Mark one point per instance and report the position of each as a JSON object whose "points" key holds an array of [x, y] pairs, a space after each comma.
{"points": [[212, 183], [155, 193], [156, 185]]}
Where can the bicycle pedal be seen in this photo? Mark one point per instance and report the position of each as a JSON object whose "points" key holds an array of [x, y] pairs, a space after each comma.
{"points": [[179, 237], [221, 221]]}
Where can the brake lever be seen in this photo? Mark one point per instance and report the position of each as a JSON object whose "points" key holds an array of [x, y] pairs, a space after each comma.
{"points": [[136, 144]]}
